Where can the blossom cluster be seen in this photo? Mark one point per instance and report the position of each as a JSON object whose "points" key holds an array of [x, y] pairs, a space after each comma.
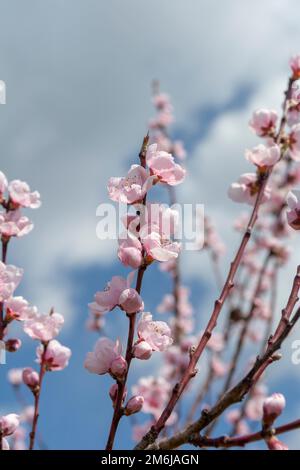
{"points": [[51, 355]]}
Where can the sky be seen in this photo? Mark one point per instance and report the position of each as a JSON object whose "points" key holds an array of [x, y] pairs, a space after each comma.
{"points": [[78, 78]]}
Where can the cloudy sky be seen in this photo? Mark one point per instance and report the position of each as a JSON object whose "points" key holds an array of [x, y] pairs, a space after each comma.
{"points": [[78, 77]]}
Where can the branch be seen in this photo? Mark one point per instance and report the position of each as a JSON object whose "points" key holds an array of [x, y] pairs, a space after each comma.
{"points": [[118, 410], [190, 372], [238, 392], [241, 441], [246, 324], [37, 395]]}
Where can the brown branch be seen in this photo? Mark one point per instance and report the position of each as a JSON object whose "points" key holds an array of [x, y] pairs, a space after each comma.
{"points": [[247, 320], [202, 392], [118, 410], [237, 393], [37, 394], [268, 332], [4, 256], [241, 441]]}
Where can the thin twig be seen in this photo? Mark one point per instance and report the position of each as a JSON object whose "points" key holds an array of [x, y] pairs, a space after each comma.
{"points": [[37, 394], [241, 441]]}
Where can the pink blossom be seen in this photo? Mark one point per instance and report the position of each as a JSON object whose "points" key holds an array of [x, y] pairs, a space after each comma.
{"points": [[218, 367], [163, 119], [157, 247], [246, 189], [295, 66], [233, 417], [20, 195], [261, 309], [263, 156], [56, 356], [167, 304], [118, 367], [18, 308], [179, 150], [161, 100], [3, 184], [293, 212], [263, 122], [130, 251], [277, 247], [44, 327], [132, 188], [109, 298], [254, 408], [14, 224], [27, 414], [185, 308], [105, 352], [131, 301], [117, 293], [294, 142], [15, 376], [142, 350], [9, 423], [293, 111], [177, 356], [95, 323], [155, 392], [30, 377], [216, 342], [168, 266], [158, 218], [134, 405], [275, 444], [162, 165], [156, 333], [273, 407], [10, 277], [212, 239]]}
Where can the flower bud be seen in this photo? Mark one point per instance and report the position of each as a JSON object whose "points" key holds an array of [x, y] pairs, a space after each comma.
{"points": [[9, 423], [131, 301], [113, 393], [272, 408], [118, 367], [274, 444], [30, 378], [134, 405], [142, 350], [12, 345]]}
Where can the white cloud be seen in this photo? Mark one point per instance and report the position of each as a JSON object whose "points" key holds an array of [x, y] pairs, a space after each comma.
{"points": [[78, 85]]}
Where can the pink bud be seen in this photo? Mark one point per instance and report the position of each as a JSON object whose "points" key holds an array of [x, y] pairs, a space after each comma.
{"points": [[134, 405], [118, 367], [131, 301], [113, 393], [142, 350], [30, 378], [12, 345], [9, 423], [274, 444], [295, 66], [273, 407]]}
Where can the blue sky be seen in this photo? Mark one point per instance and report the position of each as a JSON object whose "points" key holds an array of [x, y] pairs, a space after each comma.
{"points": [[78, 78]]}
